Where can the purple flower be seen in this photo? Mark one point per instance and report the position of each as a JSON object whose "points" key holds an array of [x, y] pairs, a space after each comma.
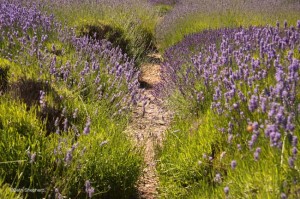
{"points": [[230, 137], [254, 138], [294, 141], [294, 151], [285, 24], [283, 196], [218, 178], [226, 190], [233, 164], [277, 24], [250, 144], [86, 129], [68, 157], [75, 113], [291, 162], [88, 189], [253, 103], [255, 126]]}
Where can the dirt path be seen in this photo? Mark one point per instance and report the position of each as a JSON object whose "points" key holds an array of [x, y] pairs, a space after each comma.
{"points": [[148, 126]]}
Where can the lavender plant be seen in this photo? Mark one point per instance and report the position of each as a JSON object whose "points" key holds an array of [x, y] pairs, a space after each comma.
{"points": [[79, 92], [193, 16], [242, 85]]}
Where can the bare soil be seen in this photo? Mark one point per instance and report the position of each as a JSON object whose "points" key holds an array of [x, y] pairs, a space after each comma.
{"points": [[148, 126]]}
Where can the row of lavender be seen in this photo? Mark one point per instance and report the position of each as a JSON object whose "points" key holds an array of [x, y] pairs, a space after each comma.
{"points": [[192, 16], [79, 70], [249, 79], [97, 65]]}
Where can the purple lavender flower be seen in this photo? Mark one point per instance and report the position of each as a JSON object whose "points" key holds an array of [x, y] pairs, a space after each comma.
{"points": [[218, 178], [283, 196], [254, 138], [294, 151], [295, 141], [263, 104], [253, 103], [56, 123], [233, 164], [250, 144], [256, 156], [103, 143], [230, 137], [68, 157], [89, 189], [291, 162], [226, 190], [86, 129], [57, 131]]}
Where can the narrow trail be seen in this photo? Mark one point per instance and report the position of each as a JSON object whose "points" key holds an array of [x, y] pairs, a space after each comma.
{"points": [[149, 123]]}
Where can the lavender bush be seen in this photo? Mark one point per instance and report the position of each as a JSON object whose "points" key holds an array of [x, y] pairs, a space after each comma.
{"points": [[243, 86], [78, 94]]}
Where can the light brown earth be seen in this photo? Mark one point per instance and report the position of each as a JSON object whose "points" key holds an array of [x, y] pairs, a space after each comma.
{"points": [[148, 126]]}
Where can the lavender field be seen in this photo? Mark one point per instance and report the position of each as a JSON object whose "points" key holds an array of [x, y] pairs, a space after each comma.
{"points": [[72, 88]]}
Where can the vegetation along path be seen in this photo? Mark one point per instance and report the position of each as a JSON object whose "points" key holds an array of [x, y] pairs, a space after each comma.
{"points": [[150, 121]]}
